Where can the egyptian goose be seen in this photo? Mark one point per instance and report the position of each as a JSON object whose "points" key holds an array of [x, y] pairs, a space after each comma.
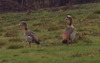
{"points": [[29, 35], [70, 31]]}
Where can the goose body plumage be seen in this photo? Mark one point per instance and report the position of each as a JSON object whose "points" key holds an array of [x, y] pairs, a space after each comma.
{"points": [[31, 37], [70, 33]]}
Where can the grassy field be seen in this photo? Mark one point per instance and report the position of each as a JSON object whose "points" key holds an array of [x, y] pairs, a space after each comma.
{"points": [[49, 27]]}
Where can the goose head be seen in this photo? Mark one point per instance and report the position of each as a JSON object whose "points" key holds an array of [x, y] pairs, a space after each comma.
{"points": [[23, 23], [69, 17]]}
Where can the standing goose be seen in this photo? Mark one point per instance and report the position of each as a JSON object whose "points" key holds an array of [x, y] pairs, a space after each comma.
{"points": [[29, 35], [70, 31]]}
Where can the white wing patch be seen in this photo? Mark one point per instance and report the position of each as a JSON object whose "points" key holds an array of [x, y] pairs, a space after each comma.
{"points": [[72, 36], [29, 39]]}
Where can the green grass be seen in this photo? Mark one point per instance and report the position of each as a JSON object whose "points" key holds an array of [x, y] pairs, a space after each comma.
{"points": [[49, 27]]}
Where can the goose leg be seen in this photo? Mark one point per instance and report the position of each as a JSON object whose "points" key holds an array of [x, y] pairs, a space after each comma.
{"points": [[38, 46], [29, 44]]}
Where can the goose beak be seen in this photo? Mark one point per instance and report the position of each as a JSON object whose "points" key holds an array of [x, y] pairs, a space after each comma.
{"points": [[20, 24]]}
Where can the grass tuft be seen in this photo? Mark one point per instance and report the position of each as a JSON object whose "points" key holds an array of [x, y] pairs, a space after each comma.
{"points": [[92, 16], [15, 39], [10, 34], [77, 54], [15, 47], [97, 12]]}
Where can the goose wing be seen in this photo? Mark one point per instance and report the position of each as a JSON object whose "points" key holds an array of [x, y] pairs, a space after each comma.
{"points": [[32, 35]]}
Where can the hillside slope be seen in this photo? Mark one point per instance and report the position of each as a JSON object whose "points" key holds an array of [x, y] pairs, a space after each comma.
{"points": [[49, 26]]}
